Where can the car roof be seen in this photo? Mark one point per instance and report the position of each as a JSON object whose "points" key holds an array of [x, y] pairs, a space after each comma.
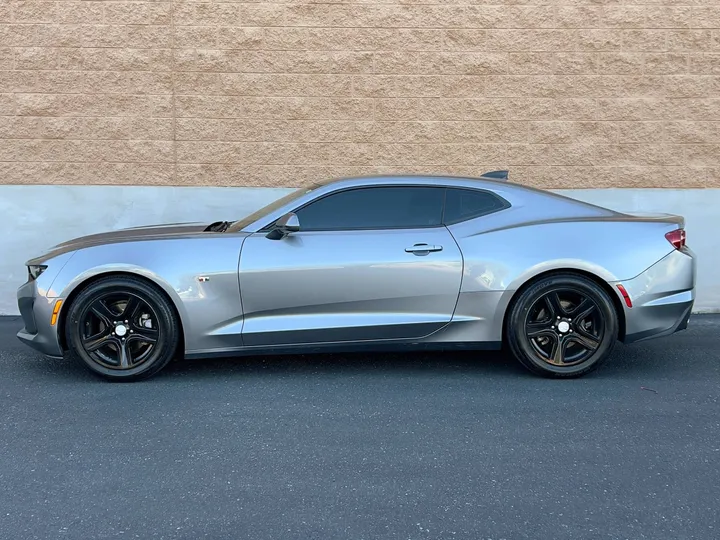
{"points": [[508, 190], [429, 179], [519, 196]]}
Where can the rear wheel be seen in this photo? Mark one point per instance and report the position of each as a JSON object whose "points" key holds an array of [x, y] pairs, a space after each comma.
{"points": [[564, 325], [122, 329]]}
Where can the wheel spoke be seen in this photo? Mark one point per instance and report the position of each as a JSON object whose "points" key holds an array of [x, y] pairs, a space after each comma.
{"points": [[537, 329], [100, 309], [552, 301], [557, 353], [585, 340], [93, 343], [131, 308], [143, 333], [124, 355], [148, 336], [582, 310]]}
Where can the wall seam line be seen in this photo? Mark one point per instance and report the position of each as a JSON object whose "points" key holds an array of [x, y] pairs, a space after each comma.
{"points": [[172, 95]]}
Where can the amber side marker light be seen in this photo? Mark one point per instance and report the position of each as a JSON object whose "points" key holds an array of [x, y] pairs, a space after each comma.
{"points": [[625, 295], [55, 312]]}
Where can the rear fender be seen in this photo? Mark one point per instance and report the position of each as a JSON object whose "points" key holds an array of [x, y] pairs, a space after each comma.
{"points": [[502, 260], [556, 266]]}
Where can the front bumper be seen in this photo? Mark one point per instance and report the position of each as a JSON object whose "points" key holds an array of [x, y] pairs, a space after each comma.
{"points": [[36, 312], [662, 297]]}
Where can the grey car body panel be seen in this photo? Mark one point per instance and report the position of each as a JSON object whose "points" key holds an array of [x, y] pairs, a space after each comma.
{"points": [[348, 285], [663, 296], [502, 260], [344, 288], [210, 311], [152, 232]]}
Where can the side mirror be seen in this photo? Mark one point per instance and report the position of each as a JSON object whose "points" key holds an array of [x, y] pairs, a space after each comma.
{"points": [[284, 226]]}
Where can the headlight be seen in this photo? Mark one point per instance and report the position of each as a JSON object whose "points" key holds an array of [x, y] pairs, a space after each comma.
{"points": [[35, 270]]}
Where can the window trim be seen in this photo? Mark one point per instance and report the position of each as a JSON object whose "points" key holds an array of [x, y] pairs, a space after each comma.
{"points": [[443, 223], [383, 186], [504, 204]]}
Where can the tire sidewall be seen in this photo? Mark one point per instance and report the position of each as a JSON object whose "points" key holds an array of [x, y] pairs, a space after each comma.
{"points": [[163, 351], [520, 344]]}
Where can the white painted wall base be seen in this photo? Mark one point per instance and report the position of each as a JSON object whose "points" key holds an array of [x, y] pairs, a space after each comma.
{"points": [[38, 217]]}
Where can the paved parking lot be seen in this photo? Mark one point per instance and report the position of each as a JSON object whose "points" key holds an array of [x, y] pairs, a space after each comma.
{"points": [[372, 446]]}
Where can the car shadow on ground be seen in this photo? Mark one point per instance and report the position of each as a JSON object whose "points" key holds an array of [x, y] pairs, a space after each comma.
{"points": [[493, 365], [483, 363], [636, 360], [478, 362], [625, 361]]}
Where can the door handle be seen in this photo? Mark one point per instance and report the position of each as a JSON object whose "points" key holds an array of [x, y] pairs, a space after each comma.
{"points": [[422, 249]]}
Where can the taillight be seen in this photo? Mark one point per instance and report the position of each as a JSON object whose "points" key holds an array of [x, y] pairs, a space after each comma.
{"points": [[676, 238]]}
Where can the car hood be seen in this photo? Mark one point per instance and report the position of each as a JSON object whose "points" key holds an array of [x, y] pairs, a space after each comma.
{"points": [[152, 232], [137, 233]]}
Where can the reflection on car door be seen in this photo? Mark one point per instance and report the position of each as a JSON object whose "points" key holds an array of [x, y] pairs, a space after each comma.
{"points": [[313, 287]]}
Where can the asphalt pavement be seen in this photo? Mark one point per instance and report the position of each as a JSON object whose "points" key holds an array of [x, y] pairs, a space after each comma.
{"points": [[397, 446]]}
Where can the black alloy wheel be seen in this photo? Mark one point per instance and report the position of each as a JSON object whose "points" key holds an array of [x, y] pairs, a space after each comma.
{"points": [[122, 328], [562, 326], [118, 330]]}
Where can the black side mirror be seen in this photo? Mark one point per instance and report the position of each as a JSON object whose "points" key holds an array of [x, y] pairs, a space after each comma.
{"points": [[283, 226]]}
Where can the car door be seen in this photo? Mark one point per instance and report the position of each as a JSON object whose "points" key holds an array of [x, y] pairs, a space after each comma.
{"points": [[369, 263]]}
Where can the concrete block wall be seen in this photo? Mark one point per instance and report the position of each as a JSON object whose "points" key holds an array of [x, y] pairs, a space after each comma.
{"points": [[565, 93]]}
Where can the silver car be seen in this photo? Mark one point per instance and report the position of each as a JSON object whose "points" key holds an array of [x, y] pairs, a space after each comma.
{"points": [[378, 263]]}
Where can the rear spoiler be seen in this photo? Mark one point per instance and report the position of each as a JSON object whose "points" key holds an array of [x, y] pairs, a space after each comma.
{"points": [[500, 176]]}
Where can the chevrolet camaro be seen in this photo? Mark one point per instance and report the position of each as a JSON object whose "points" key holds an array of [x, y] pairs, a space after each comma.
{"points": [[361, 264]]}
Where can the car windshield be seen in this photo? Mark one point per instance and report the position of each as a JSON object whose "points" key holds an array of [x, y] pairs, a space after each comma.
{"points": [[282, 201]]}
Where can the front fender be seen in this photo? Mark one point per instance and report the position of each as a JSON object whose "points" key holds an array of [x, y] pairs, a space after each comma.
{"points": [[76, 283], [199, 276]]}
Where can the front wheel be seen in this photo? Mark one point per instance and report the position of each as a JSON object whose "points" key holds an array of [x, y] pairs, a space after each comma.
{"points": [[122, 328], [564, 325]]}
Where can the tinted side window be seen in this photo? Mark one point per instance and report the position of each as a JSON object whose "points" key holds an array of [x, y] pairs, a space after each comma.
{"points": [[374, 208], [464, 204]]}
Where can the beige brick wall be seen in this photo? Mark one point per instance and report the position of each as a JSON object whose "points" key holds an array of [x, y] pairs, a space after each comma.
{"points": [[564, 93]]}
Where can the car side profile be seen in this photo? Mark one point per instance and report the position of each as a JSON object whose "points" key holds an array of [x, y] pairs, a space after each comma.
{"points": [[372, 263]]}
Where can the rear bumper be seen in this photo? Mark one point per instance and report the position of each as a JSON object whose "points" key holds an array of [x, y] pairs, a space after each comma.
{"points": [[36, 312], [667, 322], [662, 297]]}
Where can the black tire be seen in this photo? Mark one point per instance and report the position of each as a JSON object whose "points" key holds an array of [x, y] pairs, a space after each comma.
{"points": [[562, 326], [114, 339]]}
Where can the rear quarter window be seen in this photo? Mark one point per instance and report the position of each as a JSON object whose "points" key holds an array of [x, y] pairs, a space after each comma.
{"points": [[465, 204]]}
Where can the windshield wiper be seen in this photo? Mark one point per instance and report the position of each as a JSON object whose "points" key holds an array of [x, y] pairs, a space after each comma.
{"points": [[218, 226]]}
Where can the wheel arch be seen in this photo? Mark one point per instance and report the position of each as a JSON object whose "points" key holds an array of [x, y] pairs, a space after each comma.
{"points": [[84, 283], [617, 304]]}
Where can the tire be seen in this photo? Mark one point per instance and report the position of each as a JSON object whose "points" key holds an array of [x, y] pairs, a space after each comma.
{"points": [[562, 326], [118, 341]]}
